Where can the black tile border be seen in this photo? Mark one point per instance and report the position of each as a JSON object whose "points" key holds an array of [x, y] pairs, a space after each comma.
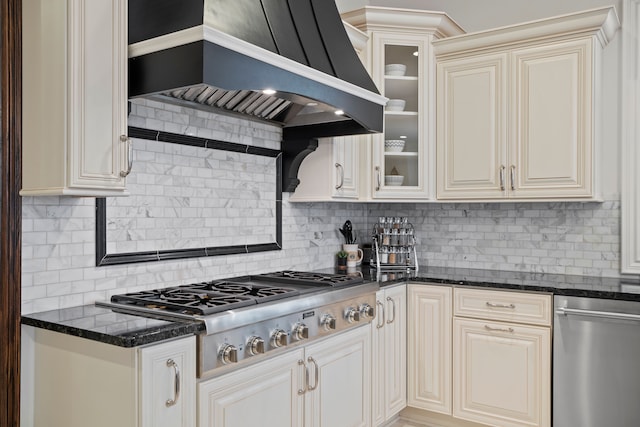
{"points": [[104, 259]]}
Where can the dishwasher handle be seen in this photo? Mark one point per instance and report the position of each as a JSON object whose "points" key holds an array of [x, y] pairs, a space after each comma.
{"points": [[593, 313]]}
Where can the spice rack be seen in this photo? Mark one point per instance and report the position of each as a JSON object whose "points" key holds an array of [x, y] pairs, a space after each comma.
{"points": [[394, 244]]}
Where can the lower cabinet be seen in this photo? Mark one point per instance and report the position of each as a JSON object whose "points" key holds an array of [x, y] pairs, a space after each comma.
{"points": [[325, 384], [168, 384], [429, 347], [77, 382], [389, 367], [480, 355], [501, 373]]}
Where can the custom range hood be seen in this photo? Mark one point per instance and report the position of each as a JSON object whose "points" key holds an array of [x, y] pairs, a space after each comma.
{"points": [[289, 62]]}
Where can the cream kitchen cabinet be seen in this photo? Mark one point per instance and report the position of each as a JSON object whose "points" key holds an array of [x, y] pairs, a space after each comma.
{"points": [[325, 384], [401, 36], [168, 384], [630, 183], [502, 357], [517, 113], [81, 382], [429, 347], [387, 36], [269, 394], [479, 355], [75, 98], [389, 342], [340, 156]]}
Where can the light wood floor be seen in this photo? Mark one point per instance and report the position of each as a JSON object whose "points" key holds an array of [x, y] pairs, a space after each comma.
{"points": [[401, 423]]}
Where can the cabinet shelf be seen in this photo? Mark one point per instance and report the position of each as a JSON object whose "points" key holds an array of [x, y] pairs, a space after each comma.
{"points": [[401, 154]]}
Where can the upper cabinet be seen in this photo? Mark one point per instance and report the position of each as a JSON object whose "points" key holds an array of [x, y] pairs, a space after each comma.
{"points": [[75, 98], [517, 111], [398, 164], [630, 196]]}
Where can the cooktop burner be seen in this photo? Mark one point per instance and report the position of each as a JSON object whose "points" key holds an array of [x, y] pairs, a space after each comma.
{"points": [[310, 278], [216, 296], [184, 300]]}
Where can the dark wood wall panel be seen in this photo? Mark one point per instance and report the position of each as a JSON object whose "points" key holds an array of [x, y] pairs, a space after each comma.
{"points": [[11, 212]]}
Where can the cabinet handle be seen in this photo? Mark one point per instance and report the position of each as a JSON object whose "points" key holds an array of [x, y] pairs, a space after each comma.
{"points": [[378, 178], [303, 390], [341, 170], [513, 177], [489, 328], [393, 306], [176, 383], [316, 375], [502, 168], [125, 138], [381, 316], [494, 305]]}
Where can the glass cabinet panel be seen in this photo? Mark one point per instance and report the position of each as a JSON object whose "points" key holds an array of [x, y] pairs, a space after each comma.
{"points": [[402, 145]]}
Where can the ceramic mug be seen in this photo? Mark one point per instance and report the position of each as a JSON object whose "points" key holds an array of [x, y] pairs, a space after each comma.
{"points": [[354, 254]]}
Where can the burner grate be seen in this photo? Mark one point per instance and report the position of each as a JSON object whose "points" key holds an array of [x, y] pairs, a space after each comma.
{"points": [[310, 278], [185, 301]]}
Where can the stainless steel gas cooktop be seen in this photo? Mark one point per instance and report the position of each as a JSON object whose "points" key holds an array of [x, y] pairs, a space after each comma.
{"points": [[249, 316]]}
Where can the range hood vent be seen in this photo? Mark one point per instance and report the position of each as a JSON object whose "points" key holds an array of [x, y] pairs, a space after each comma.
{"points": [[223, 54]]}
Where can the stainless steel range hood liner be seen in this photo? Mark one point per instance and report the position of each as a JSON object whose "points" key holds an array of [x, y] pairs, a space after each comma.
{"points": [[188, 49]]}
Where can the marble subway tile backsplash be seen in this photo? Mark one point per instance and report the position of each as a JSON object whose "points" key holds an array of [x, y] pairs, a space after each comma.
{"points": [[59, 232]]}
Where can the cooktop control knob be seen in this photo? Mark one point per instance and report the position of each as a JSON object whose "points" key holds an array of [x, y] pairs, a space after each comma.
{"points": [[228, 354], [300, 332], [352, 315], [328, 322], [255, 345], [279, 338], [367, 311]]}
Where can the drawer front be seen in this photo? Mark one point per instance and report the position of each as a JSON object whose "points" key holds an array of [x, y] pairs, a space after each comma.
{"points": [[520, 307]]}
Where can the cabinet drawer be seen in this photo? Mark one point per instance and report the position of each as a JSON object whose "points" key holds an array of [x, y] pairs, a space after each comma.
{"points": [[509, 306]]}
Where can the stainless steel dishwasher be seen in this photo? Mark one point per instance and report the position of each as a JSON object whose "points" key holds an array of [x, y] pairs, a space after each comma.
{"points": [[596, 363]]}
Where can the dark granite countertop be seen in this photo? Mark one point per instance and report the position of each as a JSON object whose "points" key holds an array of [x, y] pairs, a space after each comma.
{"points": [[126, 330], [558, 284], [105, 325]]}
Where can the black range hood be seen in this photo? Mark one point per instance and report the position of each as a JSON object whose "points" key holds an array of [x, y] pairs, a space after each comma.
{"points": [[223, 55]]}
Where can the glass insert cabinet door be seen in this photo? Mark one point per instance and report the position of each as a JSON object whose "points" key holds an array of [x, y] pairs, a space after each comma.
{"points": [[400, 154]]}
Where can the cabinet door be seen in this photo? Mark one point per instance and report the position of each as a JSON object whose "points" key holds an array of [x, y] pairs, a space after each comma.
{"points": [[338, 157], [553, 143], [98, 93], [472, 127], [345, 163], [502, 373], [340, 369], [378, 367], [429, 347], [75, 58], [395, 348], [265, 394], [400, 173], [168, 384]]}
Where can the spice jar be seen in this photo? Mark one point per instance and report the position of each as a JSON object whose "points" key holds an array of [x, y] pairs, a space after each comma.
{"points": [[384, 254], [392, 255], [395, 237], [386, 237]]}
